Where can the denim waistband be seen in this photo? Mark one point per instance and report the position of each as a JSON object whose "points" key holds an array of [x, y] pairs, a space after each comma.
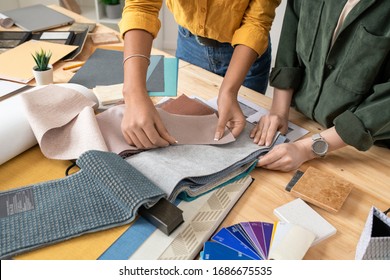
{"points": [[203, 41], [207, 41]]}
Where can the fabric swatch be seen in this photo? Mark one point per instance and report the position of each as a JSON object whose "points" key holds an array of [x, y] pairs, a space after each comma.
{"points": [[181, 168], [69, 132], [187, 130], [183, 105], [105, 193], [63, 121]]}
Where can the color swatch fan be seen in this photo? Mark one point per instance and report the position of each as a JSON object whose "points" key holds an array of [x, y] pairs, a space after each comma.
{"points": [[259, 241], [245, 241]]}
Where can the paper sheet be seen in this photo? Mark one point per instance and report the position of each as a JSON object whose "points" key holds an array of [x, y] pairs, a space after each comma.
{"points": [[17, 64], [8, 88], [253, 112], [16, 135]]}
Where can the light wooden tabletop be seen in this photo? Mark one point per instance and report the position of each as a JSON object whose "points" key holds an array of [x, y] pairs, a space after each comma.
{"points": [[368, 171]]}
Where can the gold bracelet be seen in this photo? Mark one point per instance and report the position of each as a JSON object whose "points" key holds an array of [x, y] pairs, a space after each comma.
{"points": [[136, 55]]}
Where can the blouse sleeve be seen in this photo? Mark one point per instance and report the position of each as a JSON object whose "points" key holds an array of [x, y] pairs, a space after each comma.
{"points": [[256, 24], [141, 14], [370, 121]]}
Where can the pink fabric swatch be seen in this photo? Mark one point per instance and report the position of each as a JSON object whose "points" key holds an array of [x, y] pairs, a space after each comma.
{"points": [[189, 130], [63, 122], [65, 125]]}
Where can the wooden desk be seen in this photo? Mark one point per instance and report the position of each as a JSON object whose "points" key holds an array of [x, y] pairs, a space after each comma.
{"points": [[369, 171]]}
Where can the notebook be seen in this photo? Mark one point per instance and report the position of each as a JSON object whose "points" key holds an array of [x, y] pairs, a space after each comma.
{"points": [[37, 17]]}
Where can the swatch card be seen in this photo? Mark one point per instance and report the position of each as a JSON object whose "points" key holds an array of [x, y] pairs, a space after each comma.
{"points": [[259, 241], [246, 235], [247, 227], [237, 231], [225, 237], [267, 230], [251, 239], [299, 229], [217, 251], [257, 228]]}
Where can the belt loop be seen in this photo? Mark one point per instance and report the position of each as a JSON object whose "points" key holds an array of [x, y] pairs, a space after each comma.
{"points": [[199, 42], [203, 41]]}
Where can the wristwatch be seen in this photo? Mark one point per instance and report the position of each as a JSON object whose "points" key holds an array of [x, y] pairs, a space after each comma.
{"points": [[319, 145]]}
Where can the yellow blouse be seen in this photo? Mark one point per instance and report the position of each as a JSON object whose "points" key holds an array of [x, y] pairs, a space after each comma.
{"points": [[245, 22]]}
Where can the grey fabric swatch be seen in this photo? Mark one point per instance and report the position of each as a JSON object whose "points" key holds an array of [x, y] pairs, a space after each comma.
{"points": [[179, 167], [190, 192], [105, 193]]}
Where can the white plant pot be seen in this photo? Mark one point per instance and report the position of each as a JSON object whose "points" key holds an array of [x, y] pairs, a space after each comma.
{"points": [[43, 77], [113, 11]]}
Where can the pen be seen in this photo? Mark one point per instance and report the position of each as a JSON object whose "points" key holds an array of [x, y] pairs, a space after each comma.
{"points": [[73, 66]]}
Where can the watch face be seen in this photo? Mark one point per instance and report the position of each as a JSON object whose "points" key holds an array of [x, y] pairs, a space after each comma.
{"points": [[320, 147]]}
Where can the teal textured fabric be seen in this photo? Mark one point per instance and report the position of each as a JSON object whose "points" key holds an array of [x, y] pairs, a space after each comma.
{"points": [[105, 193]]}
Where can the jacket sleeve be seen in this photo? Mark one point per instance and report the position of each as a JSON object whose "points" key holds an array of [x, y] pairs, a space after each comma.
{"points": [[370, 121], [141, 14], [256, 24], [287, 72]]}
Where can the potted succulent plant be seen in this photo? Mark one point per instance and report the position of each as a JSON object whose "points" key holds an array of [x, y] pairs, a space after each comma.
{"points": [[113, 8], [43, 71]]}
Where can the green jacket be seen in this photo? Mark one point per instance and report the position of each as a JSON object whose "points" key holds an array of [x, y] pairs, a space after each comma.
{"points": [[346, 85]]}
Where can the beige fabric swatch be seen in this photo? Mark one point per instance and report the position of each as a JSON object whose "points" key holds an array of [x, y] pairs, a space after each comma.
{"points": [[194, 130], [63, 122], [186, 129], [65, 125]]}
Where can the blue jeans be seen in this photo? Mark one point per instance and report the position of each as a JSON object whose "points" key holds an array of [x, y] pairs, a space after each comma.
{"points": [[216, 59]]}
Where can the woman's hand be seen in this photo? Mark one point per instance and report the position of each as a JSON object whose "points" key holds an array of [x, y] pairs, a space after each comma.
{"points": [[287, 157], [230, 115], [265, 130], [142, 126]]}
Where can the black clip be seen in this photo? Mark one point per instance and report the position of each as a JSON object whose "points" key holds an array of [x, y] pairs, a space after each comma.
{"points": [[298, 174], [69, 168]]}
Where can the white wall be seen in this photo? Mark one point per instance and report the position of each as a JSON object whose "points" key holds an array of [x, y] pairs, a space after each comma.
{"points": [[24, 3], [276, 28], [166, 38], [8, 5]]}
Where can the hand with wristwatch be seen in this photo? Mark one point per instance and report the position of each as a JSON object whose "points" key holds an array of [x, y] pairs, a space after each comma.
{"points": [[319, 145]]}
